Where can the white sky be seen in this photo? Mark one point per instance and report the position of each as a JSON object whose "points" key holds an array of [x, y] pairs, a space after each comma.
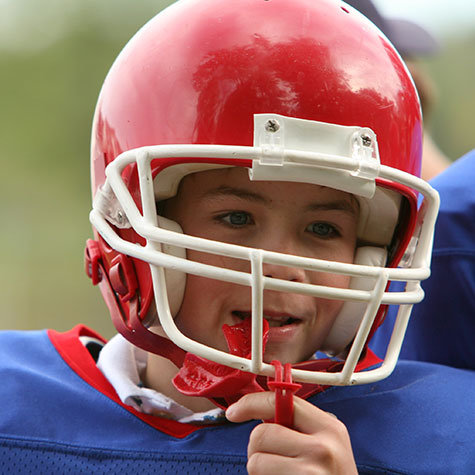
{"points": [[441, 17], [31, 24]]}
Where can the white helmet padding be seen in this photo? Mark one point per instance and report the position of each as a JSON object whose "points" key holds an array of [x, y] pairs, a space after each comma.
{"points": [[348, 320], [176, 280]]}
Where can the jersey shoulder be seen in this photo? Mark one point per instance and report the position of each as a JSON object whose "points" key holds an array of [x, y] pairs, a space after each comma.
{"points": [[419, 420], [63, 416]]}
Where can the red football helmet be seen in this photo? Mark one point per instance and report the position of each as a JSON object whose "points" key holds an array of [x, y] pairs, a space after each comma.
{"points": [[304, 90]]}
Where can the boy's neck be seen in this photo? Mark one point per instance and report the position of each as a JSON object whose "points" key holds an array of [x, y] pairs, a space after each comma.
{"points": [[158, 376]]}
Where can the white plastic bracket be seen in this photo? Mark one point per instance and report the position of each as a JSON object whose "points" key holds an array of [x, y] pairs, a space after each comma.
{"points": [[269, 135], [106, 202], [337, 156], [365, 151]]}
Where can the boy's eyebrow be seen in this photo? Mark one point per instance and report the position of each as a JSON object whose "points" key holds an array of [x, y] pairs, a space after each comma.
{"points": [[349, 206], [236, 192]]}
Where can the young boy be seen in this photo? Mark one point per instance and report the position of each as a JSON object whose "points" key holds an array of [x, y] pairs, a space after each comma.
{"points": [[254, 172]]}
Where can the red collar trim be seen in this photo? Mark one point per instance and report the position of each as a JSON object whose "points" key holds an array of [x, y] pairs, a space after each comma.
{"points": [[80, 361]]}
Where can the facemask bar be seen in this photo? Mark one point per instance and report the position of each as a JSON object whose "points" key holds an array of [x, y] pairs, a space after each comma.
{"points": [[146, 226]]}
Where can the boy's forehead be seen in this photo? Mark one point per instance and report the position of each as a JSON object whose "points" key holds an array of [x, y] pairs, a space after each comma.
{"points": [[235, 182], [207, 178]]}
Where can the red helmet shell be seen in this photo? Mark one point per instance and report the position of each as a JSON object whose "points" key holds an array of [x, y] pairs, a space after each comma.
{"points": [[199, 71]]}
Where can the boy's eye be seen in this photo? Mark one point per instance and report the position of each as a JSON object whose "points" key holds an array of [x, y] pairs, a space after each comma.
{"points": [[237, 218], [323, 230]]}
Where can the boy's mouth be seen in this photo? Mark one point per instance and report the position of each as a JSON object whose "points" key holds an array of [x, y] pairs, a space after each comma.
{"points": [[274, 320]]}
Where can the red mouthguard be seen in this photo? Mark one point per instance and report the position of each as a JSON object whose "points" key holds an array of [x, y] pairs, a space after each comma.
{"points": [[201, 377]]}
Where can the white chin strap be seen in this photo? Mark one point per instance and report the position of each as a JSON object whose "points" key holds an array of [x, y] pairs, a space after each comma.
{"points": [[348, 320]]}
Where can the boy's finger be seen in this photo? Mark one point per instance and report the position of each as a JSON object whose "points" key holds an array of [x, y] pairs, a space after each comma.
{"points": [[275, 439], [252, 406], [310, 419], [307, 417]]}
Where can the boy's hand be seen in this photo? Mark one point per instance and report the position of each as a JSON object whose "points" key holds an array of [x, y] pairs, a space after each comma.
{"points": [[318, 443]]}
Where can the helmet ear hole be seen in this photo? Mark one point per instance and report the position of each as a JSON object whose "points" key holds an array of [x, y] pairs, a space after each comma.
{"points": [[176, 280], [351, 313]]}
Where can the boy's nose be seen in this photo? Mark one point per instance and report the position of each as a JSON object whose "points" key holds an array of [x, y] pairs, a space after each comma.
{"points": [[277, 271], [282, 243], [293, 274]]}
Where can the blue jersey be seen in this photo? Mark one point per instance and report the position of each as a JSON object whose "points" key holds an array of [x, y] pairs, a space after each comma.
{"points": [[60, 415], [442, 326]]}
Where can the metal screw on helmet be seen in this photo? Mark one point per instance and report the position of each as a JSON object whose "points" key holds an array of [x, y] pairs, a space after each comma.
{"points": [[120, 217], [366, 139], [272, 125]]}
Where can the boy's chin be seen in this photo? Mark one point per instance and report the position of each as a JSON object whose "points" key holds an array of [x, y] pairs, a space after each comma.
{"points": [[285, 357]]}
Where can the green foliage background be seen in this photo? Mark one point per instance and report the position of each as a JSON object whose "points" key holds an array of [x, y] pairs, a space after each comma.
{"points": [[49, 87], [50, 76]]}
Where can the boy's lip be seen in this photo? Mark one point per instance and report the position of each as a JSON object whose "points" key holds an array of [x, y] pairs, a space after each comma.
{"points": [[276, 319]]}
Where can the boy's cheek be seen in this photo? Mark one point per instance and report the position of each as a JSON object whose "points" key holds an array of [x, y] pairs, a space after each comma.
{"points": [[219, 261]]}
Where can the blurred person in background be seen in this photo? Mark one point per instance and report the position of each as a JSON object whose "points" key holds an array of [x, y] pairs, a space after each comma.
{"points": [[413, 42], [441, 327]]}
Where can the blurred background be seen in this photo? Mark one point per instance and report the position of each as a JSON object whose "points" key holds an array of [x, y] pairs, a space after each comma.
{"points": [[54, 55]]}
